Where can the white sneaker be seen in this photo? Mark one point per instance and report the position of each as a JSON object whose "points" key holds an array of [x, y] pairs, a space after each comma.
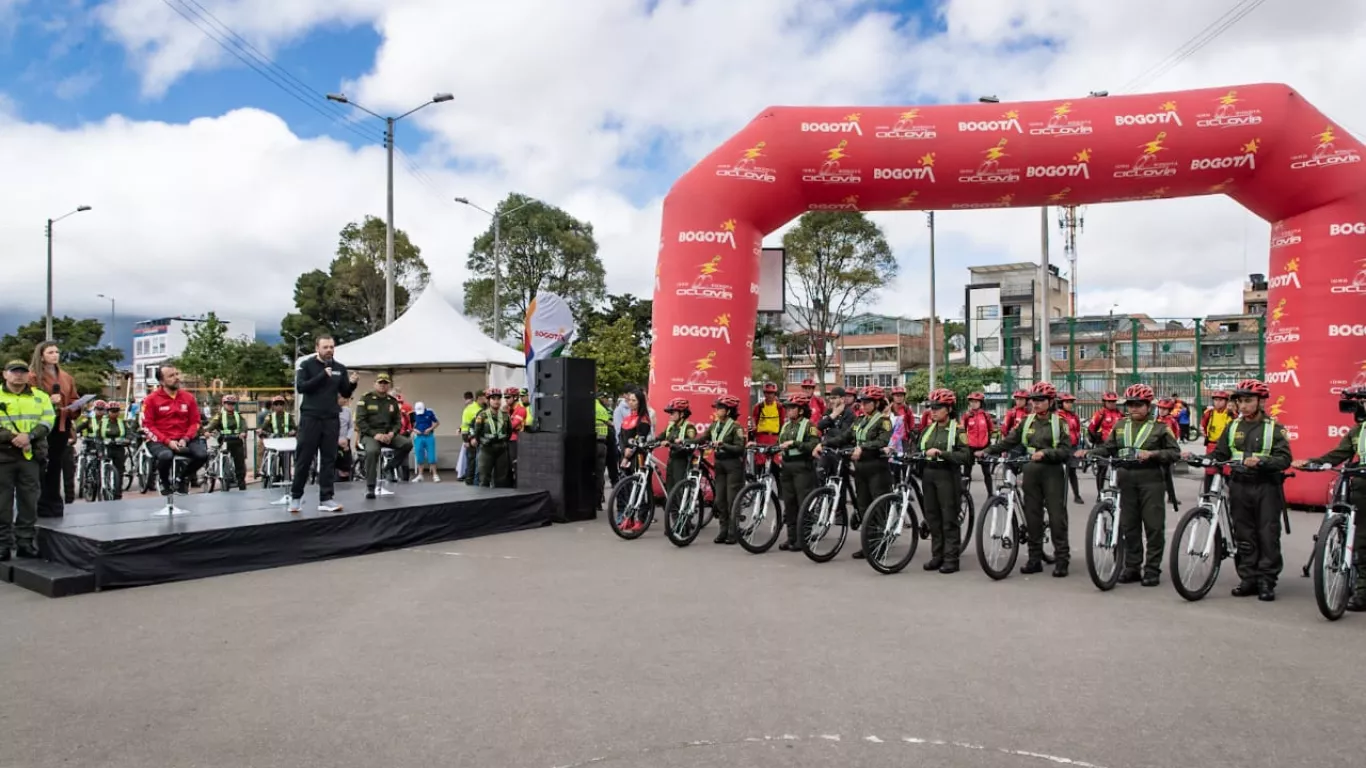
{"points": [[417, 478], [435, 477], [296, 506], [329, 506]]}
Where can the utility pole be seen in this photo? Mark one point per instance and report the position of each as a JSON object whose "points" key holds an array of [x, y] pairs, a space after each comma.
{"points": [[1045, 365], [932, 315], [1071, 221]]}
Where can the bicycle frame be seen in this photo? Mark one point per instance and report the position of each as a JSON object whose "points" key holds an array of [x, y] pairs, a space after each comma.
{"points": [[1216, 500], [646, 472], [1010, 491], [1341, 504]]}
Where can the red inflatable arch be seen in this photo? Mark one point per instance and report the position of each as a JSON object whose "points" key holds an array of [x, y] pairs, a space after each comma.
{"points": [[1262, 145]]}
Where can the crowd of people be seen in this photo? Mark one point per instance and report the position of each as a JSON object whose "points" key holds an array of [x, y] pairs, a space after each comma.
{"points": [[1145, 432]]}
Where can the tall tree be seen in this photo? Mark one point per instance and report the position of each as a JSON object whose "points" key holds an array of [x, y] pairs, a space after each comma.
{"points": [[639, 311], [79, 343], [836, 263], [347, 301], [962, 379], [255, 364], [620, 360], [542, 248], [207, 350]]}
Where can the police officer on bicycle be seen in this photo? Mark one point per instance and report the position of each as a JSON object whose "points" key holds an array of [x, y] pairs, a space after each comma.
{"points": [[1352, 448]]}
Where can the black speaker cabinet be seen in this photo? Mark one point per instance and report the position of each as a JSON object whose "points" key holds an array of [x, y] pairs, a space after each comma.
{"points": [[569, 416], [567, 377], [565, 466]]}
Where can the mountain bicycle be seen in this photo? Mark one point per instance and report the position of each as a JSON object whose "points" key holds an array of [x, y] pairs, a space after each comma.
{"points": [[633, 498], [1002, 528], [88, 463], [1334, 562], [110, 485], [891, 518], [1207, 546], [144, 466], [826, 508], [758, 510], [1104, 537], [686, 510], [221, 470]]}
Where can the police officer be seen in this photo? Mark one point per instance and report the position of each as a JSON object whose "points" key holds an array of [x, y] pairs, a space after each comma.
{"points": [[1148, 447], [797, 440], [727, 438], [113, 430], [379, 419], [1069, 414], [231, 428], [838, 418], [602, 430], [1352, 447], [275, 423], [869, 435], [945, 447], [490, 432], [677, 431], [26, 416], [1043, 435], [1255, 496]]}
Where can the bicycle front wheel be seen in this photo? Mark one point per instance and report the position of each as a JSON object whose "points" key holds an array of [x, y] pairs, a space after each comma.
{"points": [[759, 518], [109, 483], [620, 509], [967, 517], [822, 525], [683, 513], [1196, 553], [1103, 560], [998, 539], [1332, 572], [889, 533]]}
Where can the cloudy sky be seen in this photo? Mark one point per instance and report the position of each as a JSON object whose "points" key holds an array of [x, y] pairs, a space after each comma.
{"points": [[215, 185]]}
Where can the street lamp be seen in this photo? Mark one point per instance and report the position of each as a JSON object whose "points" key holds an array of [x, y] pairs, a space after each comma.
{"points": [[497, 261], [389, 221], [112, 316], [988, 99], [50, 222]]}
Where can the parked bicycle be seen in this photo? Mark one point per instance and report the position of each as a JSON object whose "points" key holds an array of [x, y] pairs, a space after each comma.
{"points": [[758, 510], [631, 502], [221, 470], [1002, 531], [1205, 533], [88, 461], [826, 509], [891, 518], [1334, 561], [686, 509]]}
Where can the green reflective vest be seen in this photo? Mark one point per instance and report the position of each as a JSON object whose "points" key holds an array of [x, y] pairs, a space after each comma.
{"points": [[24, 412], [1029, 421], [953, 438], [603, 421], [1267, 430]]}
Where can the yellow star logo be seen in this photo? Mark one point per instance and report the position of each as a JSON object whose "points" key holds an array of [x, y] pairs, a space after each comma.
{"points": [[1169, 106], [722, 320], [911, 115], [1063, 108], [1252, 146], [728, 225], [1058, 197], [927, 160], [1293, 265], [1083, 156]]}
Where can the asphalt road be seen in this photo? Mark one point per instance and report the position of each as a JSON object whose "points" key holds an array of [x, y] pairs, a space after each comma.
{"points": [[569, 647]]}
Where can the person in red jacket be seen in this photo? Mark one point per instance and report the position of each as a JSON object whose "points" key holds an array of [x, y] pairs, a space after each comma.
{"points": [[817, 402], [1101, 425], [170, 416], [1068, 412], [1165, 415], [899, 406], [1017, 414], [978, 425]]}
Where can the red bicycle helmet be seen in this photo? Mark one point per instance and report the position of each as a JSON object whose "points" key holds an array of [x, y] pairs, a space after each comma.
{"points": [[873, 392], [99, 405], [229, 399], [1109, 397], [770, 387], [1219, 395], [1068, 398], [1021, 394], [727, 401], [512, 392], [1043, 391], [809, 383], [678, 405], [1139, 393], [944, 397], [494, 392], [978, 396], [277, 399], [799, 400], [898, 390], [114, 405], [1251, 388], [1167, 403]]}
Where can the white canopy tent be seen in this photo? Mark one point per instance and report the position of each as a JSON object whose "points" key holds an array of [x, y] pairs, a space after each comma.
{"points": [[435, 355]]}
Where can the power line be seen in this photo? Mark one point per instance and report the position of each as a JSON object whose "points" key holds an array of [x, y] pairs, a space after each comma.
{"points": [[267, 71], [1189, 48]]}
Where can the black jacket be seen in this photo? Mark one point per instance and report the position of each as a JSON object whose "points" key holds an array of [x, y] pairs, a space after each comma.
{"points": [[317, 390]]}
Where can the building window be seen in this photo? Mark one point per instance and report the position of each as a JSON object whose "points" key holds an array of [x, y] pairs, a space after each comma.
{"points": [[989, 344], [989, 312], [1060, 353], [798, 375]]}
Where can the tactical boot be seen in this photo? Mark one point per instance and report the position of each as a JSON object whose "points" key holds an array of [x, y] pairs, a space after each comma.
{"points": [[1032, 566], [1266, 591], [1060, 570], [1245, 588], [1358, 602], [1129, 576], [934, 564]]}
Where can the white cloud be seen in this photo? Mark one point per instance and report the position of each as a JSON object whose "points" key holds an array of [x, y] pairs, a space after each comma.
{"points": [[560, 102]]}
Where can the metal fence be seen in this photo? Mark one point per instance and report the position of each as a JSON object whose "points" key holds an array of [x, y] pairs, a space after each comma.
{"points": [[1188, 358]]}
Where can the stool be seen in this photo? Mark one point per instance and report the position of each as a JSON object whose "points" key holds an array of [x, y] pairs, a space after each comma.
{"points": [[386, 456], [178, 465]]}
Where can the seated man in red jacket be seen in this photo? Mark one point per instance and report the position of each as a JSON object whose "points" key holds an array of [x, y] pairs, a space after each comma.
{"points": [[170, 417]]}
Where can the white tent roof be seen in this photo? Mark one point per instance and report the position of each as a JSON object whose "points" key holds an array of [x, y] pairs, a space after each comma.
{"points": [[430, 334]]}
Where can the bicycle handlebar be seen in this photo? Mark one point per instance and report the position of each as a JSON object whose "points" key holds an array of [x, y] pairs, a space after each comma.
{"points": [[763, 450], [1008, 461], [1359, 470]]}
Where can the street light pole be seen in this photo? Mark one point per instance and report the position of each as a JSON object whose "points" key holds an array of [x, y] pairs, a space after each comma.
{"points": [[47, 327], [497, 260], [389, 220], [932, 316], [112, 315]]}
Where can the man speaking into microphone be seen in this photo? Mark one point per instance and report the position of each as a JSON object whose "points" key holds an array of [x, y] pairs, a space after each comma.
{"points": [[319, 379]]}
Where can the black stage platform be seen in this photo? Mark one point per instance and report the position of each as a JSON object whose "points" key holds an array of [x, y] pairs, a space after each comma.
{"points": [[121, 544]]}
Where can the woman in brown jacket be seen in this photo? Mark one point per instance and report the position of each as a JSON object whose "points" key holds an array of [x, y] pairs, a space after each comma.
{"points": [[47, 375]]}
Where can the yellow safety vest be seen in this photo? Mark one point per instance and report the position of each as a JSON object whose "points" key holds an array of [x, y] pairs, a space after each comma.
{"points": [[604, 421], [1029, 420], [1267, 430], [953, 438], [769, 423], [102, 428], [22, 413], [1143, 433]]}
